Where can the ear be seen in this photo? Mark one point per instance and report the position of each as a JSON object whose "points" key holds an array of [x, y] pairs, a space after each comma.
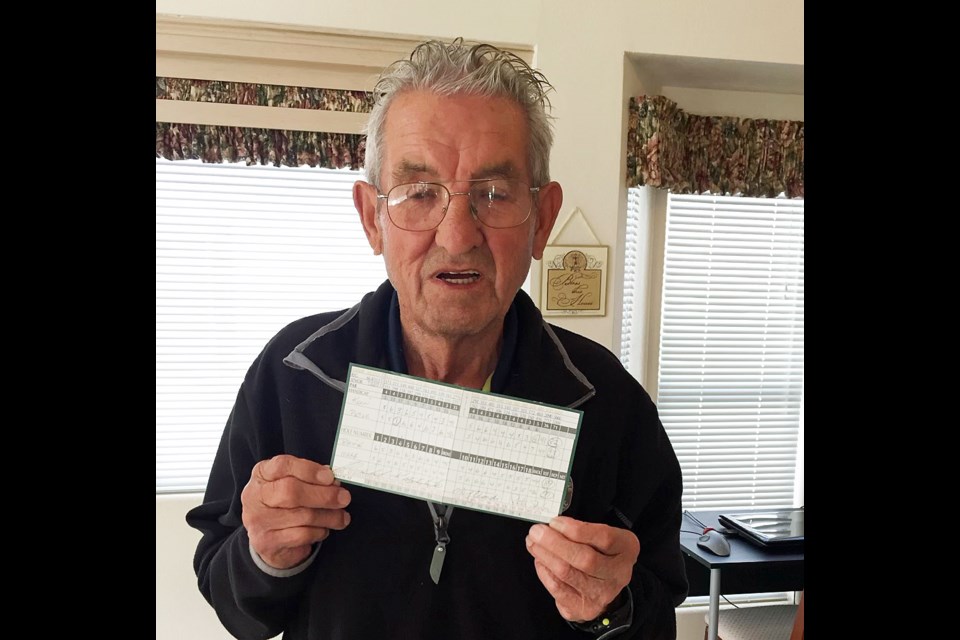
{"points": [[365, 201], [549, 199]]}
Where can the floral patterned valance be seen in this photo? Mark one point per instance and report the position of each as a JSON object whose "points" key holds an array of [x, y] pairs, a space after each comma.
{"points": [[212, 143], [264, 95], [671, 149], [216, 144]]}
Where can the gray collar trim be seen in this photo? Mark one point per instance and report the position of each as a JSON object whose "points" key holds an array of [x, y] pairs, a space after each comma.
{"points": [[298, 360], [591, 390]]}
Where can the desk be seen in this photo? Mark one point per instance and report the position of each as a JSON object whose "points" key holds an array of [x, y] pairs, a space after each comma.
{"points": [[749, 568]]}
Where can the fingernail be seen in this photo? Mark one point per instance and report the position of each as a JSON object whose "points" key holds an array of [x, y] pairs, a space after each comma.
{"points": [[346, 518], [536, 532], [343, 497], [325, 475]]}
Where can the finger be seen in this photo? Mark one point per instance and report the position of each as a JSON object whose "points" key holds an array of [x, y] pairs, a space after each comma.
{"points": [[559, 589], [271, 541], [286, 481], [557, 574], [565, 558], [618, 548], [604, 538], [595, 578], [283, 537], [285, 465], [291, 493], [571, 604], [276, 519]]}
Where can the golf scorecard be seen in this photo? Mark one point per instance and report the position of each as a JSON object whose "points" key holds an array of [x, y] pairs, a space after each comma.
{"points": [[458, 446]]}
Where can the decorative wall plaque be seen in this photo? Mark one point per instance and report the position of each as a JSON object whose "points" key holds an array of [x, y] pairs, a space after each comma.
{"points": [[574, 280]]}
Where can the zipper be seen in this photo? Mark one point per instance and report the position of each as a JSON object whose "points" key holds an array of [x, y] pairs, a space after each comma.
{"points": [[441, 520]]}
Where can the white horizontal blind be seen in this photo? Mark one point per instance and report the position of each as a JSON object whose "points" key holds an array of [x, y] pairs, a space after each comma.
{"points": [[241, 252], [731, 347]]}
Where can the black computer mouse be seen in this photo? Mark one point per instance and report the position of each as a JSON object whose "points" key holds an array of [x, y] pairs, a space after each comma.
{"points": [[715, 542]]}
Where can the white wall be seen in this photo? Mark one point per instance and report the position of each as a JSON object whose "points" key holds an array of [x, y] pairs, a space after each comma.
{"points": [[584, 58], [182, 613]]}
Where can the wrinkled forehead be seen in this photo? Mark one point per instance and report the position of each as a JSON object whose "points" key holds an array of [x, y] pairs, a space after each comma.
{"points": [[459, 137]]}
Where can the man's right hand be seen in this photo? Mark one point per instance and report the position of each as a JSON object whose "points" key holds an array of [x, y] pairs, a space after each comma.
{"points": [[289, 504]]}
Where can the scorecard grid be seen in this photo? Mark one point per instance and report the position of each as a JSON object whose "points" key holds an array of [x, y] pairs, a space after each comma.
{"points": [[454, 445]]}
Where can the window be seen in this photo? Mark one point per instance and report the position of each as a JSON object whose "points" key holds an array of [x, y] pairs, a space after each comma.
{"points": [[241, 251], [729, 368]]}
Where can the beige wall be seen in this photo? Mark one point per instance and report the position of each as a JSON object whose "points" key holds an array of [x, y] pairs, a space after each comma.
{"points": [[584, 59], [182, 613], [582, 48], [730, 29]]}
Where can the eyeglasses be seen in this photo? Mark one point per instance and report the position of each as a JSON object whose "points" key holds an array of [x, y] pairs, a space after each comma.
{"points": [[498, 203]]}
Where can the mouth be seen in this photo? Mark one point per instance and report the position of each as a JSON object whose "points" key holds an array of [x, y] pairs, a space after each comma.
{"points": [[458, 277]]}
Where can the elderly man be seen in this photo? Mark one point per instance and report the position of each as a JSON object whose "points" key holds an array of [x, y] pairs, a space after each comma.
{"points": [[459, 200]]}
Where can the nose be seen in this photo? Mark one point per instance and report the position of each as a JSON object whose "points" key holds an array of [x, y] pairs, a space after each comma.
{"points": [[460, 230]]}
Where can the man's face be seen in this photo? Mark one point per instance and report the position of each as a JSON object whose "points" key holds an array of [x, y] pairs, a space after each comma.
{"points": [[459, 279]]}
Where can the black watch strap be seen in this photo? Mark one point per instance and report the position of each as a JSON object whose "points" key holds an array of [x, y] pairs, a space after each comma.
{"points": [[612, 622]]}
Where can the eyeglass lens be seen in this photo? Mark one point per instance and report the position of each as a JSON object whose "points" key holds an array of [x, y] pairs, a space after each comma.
{"points": [[496, 203]]}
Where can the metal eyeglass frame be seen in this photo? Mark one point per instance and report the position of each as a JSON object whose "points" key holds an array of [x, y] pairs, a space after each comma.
{"points": [[450, 194]]}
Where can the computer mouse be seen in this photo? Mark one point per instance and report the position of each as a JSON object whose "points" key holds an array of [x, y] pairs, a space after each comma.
{"points": [[714, 542]]}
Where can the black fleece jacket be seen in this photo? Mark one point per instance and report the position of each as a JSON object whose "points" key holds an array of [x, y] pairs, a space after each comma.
{"points": [[371, 581]]}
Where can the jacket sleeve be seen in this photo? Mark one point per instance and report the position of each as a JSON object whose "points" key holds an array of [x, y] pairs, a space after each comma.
{"points": [[250, 603], [649, 502]]}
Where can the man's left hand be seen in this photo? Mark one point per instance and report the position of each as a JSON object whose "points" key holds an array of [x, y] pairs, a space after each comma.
{"points": [[584, 565]]}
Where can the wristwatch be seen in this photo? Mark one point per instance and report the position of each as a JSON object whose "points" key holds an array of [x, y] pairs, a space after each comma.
{"points": [[615, 620]]}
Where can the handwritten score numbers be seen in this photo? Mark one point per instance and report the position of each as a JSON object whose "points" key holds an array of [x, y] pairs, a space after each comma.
{"points": [[454, 445]]}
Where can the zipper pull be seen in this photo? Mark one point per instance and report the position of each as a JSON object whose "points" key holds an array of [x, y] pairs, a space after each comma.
{"points": [[440, 549], [436, 565]]}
